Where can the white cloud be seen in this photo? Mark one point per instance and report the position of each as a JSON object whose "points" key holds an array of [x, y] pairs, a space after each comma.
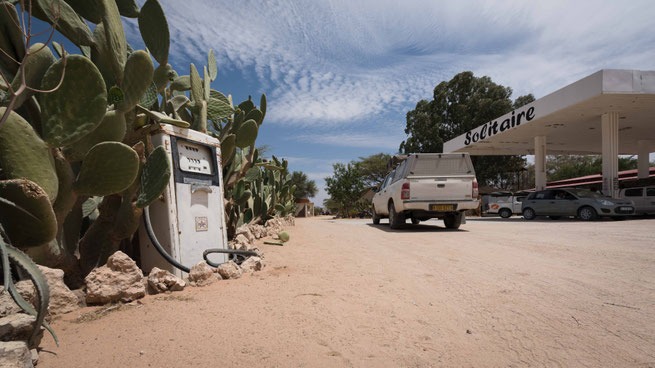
{"points": [[336, 62]]}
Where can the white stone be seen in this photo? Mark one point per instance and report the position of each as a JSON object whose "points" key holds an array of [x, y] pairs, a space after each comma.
{"points": [[229, 270], [62, 299], [15, 354], [202, 275], [18, 327], [253, 264], [119, 280], [161, 281]]}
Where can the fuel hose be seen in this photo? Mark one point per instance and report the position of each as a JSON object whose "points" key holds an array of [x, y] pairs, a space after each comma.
{"points": [[205, 254]]}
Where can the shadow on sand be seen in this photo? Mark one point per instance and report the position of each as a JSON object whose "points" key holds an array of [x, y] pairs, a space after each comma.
{"points": [[411, 228]]}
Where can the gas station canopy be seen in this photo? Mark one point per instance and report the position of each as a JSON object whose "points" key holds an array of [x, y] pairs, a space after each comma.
{"points": [[570, 118], [611, 112]]}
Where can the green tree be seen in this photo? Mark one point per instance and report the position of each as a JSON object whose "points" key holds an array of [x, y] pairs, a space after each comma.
{"points": [[459, 105], [345, 188], [373, 168], [572, 166], [305, 188]]}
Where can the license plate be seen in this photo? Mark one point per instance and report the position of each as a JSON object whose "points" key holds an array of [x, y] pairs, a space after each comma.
{"points": [[442, 207], [625, 208]]}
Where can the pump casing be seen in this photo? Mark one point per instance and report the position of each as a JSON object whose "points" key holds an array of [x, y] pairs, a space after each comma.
{"points": [[190, 217]]}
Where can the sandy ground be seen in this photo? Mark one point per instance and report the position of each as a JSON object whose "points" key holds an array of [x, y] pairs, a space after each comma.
{"points": [[496, 293]]}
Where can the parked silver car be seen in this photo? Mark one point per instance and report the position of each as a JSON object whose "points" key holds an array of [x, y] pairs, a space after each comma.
{"points": [[581, 203]]}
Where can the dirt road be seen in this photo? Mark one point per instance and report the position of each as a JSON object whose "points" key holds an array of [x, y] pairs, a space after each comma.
{"points": [[497, 293]]}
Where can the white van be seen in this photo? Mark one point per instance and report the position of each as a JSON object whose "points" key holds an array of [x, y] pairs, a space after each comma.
{"points": [[506, 205], [643, 197], [425, 186]]}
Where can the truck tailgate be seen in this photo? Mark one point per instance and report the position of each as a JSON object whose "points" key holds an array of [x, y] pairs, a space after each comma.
{"points": [[440, 188]]}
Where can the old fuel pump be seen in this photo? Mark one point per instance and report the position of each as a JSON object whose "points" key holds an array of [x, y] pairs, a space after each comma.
{"points": [[190, 219]]}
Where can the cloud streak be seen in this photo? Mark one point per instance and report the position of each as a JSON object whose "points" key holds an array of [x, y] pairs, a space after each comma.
{"points": [[343, 62]]}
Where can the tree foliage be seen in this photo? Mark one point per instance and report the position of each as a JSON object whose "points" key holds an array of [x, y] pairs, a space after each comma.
{"points": [[305, 188], [373, 168], [459, 105], [572, 166], [345, 188]]}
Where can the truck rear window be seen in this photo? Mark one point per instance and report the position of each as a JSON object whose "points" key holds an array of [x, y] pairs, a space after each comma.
{"points": [[446, 165]]}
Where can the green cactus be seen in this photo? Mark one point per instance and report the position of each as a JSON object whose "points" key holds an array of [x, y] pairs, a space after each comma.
{"points": [[283, 236], [67, 197], [196, 84], [246, 106], [89, 10], [35, 67], [221, 97], [137, 77], [154, 177], [31, 229], [149, 98], [255, 115], [12, 43], [24, 155], [77, 106], [68, 22], [247, 134], [181, 83], [128, 8], [162, 75], [98, 56], [154, 30], [218, 109], [211, 65], [116, 47], [227, 147], [109, 167], [111, 129]]}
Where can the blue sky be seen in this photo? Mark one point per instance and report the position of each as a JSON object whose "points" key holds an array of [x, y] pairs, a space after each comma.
{"points": [[341, 75]]}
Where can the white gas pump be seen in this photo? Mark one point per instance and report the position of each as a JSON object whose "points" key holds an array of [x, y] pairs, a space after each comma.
{"points": [[190, 219]]}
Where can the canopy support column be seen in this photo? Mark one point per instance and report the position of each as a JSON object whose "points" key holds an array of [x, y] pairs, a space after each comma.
{"points": [[642, 159], [540, 162], [610, 130]]}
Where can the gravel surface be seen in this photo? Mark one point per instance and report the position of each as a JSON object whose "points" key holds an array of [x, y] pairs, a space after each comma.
{"points": [[496, 293]]}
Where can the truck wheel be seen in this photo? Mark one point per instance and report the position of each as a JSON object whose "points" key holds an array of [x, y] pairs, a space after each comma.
{"points": [[375, 217], [395, 219], [415, 221], [528, 214], [587, 213], [505, 213], [452, 221]]}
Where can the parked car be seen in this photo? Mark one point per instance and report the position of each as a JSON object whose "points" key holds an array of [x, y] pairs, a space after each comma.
{"points": [[581, 203], [425, 186], [644, 199], [506, 204]]}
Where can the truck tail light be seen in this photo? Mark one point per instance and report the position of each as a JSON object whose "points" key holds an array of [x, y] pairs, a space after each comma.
{"points": [[404, 194], [474, 191]]}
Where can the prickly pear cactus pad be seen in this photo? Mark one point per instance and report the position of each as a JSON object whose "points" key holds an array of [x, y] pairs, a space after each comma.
{"points": [[116, 47], [154, 30], [111, 129], [35, 67], [77, 106], [247, 134], [24, 155], [108, 168], [137, 77], [154, 177], [227, 147], [33, 223]]}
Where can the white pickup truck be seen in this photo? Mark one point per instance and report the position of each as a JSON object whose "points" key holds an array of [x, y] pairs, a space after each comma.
{"points": [[425, 186]]}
